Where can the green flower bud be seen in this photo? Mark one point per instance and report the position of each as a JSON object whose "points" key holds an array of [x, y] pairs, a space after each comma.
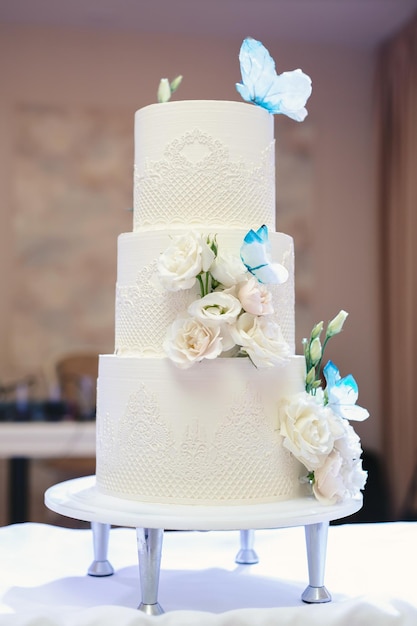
{"points": [[315, 350], [164, 90], [316, 332], [335, 326], [311, 376], [175, 83]]}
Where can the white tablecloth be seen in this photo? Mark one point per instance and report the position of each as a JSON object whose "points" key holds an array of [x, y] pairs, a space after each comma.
{"points": [[371, 572]]}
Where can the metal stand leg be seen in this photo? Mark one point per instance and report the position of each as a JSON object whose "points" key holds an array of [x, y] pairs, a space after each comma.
{"points": [[247, 554], [316, 542], [100, 566], [149, 551]]}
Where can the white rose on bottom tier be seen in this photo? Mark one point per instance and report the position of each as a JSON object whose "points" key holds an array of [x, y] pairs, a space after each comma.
{"points": [[338, 479], [261, 339], [341, 476], [309, 429], [189, 341]]}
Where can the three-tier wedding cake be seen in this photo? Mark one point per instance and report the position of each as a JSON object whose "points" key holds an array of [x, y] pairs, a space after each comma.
{"points": [[188, 407]]}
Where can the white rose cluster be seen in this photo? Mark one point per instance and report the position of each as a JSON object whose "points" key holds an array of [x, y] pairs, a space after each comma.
{"points": [[326, 444], [233, 314]]}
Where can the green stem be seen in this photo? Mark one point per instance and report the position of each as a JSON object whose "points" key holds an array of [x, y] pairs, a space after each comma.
{"points": [[322, 354], [200, 280]]}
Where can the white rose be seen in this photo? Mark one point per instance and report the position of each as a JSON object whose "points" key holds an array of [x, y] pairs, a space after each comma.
{"points": [[217, 307], [189, 341], [338, 479], [228, 269], [354, 477], [184, 259], [328, 484], [255, 297], [309, 429], [261, 339], [351, 478], [349, 445]]}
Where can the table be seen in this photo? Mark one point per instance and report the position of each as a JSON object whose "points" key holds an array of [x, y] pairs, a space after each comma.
{"points": [[370, 571], [20, 441], [47, 439]]}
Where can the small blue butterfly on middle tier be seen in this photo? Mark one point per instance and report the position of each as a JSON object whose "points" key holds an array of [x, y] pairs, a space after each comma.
{"points": [[255, 254]]}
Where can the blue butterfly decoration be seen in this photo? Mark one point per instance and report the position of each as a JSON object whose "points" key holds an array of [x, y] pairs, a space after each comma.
{"points": [[342, 394], [285, 93], [255, 255]]}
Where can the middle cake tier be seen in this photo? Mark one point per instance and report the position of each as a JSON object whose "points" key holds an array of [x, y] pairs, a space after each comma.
{"points": [[145, 309]]}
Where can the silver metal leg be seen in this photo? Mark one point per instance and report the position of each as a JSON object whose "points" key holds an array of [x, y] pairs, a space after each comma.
{"points": [[149, 551], [100, 566], [247, 554], [316, 543]]}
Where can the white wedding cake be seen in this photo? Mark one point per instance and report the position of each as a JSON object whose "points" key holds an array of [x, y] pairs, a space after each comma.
{"points": [[188, 406]]}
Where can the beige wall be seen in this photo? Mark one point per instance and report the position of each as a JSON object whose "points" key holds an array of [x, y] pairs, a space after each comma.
{"points": [[81, 68]]}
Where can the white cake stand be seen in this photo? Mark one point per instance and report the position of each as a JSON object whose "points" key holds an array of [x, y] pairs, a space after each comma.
{"points": [[80, 499]]}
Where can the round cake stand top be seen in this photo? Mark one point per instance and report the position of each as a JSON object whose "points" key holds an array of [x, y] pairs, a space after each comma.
{"points": [[80, 499]]}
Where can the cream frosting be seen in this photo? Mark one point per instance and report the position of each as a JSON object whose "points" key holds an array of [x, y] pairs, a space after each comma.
{"points": [[204, 163]]}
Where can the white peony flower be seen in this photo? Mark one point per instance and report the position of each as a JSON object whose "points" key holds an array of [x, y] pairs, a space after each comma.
{"points": [[255, 297], [228, 269], [189, 341], [187, 256], [217, 307], [341, 476], [309, 429], [349, 445], [261, 339], [338, 479]]}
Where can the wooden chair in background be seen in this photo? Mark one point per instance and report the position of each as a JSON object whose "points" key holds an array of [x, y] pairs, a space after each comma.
{"points": [[77, 378]]}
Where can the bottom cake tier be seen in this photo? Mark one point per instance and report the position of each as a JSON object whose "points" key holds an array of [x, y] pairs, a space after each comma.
{"points": [[206, 435]]}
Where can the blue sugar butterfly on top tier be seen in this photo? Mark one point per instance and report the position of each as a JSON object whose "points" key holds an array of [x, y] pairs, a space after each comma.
{"points": [[285, 93]]}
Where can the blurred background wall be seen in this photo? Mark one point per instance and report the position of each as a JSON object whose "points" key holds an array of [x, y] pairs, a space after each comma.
{"points": [[64, 90]]}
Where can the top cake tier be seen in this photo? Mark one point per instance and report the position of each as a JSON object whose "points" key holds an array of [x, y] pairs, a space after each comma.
{"points": [[204, 163]]}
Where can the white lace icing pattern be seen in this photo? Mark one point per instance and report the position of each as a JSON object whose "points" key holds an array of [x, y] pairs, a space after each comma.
{"points": [[142, 457], [177, 190]]}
